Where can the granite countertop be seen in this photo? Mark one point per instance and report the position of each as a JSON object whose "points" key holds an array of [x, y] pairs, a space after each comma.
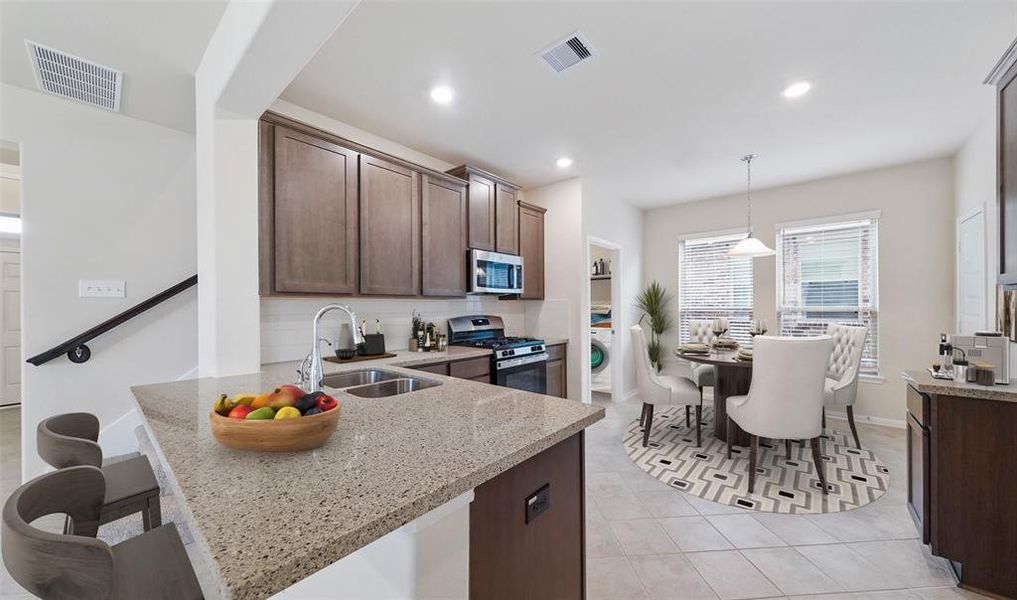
{"points": [[926, 383], [269, 520]]}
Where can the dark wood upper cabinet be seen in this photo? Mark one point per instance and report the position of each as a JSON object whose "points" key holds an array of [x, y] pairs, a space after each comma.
{"points": [[1004, 77], [389, 228], [493, 215], [506, 218], [481, 213], [314, 215], [531, 248], [443, 237]]}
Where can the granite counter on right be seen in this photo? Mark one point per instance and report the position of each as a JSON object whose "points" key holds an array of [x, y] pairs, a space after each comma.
{"points": [[962, 477]]}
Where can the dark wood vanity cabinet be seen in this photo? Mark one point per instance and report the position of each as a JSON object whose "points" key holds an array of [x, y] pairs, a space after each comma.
{"points": [[531, 248], [493, 210], [1004, 77], [443, 237], [313, 213], [962, 481], [389, 228]]}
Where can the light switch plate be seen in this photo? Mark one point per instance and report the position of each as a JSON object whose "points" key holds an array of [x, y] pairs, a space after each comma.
{"points": [[94, 288]]}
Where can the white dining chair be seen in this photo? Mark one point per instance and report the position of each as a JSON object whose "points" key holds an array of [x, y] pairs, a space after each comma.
{"points": [[785, 399], [701, 331], [841, 387], [658, 389]]}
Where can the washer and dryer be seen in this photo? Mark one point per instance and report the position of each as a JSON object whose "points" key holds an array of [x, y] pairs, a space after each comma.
{"points": [[600, 358]]}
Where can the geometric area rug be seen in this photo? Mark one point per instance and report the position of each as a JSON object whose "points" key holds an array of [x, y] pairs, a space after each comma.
{"points": [[854, 477]]}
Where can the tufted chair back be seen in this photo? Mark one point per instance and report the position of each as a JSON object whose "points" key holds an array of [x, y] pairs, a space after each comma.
{"points": [[846, 358], [701, 331]]}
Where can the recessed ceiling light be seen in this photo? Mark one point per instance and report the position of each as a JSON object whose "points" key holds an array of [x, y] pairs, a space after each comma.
{"points": [[797, 90], [442, 94], [563, 162]]}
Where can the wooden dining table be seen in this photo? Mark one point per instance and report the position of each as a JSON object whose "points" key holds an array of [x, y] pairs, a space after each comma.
{"points": [[733, 377]]}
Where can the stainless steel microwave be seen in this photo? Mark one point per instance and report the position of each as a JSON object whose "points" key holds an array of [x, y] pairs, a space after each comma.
{"points": [[495, 273]]}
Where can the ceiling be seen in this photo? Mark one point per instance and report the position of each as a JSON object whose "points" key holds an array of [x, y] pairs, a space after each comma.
{"points": [[678, 92], [157, 44]]}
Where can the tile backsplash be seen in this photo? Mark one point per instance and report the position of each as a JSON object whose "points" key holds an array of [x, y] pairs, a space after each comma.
{"points": [[286, 322]]}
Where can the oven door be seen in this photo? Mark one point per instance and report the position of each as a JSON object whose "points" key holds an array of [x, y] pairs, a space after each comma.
{"points": [[495, 273], [525, 373]]}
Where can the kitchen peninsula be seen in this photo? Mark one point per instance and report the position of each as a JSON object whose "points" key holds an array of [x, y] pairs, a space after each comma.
{"points": [[269, 521], [962, 448]]}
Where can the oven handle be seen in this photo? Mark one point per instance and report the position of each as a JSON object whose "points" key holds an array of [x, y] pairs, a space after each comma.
{"points": [[523, 360]]}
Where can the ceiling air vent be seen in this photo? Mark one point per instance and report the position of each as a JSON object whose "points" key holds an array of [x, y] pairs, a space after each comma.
{"points": [[568, 52], [65, 75]]}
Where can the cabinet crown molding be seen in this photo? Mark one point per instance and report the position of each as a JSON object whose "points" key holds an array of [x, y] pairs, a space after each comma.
{"points": [[1008, 60]]}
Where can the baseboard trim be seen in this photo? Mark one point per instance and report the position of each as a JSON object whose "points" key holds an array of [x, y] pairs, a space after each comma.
{"points": [[869, 420], [630, 395]]}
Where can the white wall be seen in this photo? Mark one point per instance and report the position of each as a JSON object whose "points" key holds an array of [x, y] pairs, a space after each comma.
{"points": [[566, 278], [975, 187], [916, 254], [104, 197], [616, 221]]}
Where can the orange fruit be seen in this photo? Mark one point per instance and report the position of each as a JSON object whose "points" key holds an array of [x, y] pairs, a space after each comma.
{"points": [[261, 401]]}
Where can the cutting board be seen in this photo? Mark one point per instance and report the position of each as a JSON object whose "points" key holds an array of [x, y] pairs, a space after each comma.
{"points": [[358, 358]]}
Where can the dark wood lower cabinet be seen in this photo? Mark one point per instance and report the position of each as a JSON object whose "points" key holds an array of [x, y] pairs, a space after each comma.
{"points": [[962, 485], [513, 559], [557, 371]]}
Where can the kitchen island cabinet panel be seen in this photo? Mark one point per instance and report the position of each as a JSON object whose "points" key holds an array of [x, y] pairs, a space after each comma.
{"points": [[443, 238], [515, 555], [315, 215], [389, 228]]}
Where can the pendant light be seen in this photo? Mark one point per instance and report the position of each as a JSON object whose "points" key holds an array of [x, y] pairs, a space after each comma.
{"points": [[750, 246]]}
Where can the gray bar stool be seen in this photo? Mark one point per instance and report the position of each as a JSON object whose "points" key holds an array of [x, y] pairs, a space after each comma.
{"points": [[54, 566], [69, 440]]}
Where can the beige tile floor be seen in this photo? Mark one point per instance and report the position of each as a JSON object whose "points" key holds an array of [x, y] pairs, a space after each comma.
{"points": [[645, 540]]}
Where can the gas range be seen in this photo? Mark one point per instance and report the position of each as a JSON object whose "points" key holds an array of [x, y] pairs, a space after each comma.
{"points": [[518, 362]]}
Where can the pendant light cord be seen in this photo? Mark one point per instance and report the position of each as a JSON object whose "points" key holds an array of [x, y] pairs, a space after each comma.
{"points": [[748, 192]]}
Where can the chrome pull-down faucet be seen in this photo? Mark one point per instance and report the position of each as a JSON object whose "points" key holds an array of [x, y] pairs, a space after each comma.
{"points": [[317, 369]]}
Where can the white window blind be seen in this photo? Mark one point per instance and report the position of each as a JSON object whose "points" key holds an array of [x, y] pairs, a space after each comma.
{"points": [[827, 274], [711, 285]]}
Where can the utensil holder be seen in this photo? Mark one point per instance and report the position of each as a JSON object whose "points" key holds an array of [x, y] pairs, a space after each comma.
{"points": [[374, 344]]}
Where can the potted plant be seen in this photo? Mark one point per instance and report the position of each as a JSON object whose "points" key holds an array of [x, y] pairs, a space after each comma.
{"points": [[653, 302]]}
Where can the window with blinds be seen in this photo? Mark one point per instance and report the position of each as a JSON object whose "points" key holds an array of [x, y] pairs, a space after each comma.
{"points": [[827, 274], [711, 285]]}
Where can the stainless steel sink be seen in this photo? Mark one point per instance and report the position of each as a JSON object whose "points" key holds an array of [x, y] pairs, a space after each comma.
{"points": [[354, 378], [392, 387]]}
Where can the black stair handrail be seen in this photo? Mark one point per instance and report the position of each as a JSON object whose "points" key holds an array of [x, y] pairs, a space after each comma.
{"points": [[75, 347]]}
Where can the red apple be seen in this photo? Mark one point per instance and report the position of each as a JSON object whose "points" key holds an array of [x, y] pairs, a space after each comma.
{"points": [[326, 402], [240, 411]]}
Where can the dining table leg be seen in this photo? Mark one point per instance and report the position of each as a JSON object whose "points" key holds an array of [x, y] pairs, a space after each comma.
{"points": [[730, 381]]}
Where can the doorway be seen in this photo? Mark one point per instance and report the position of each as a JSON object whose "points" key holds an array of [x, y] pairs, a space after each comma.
{"points": [[10, 274], [602, 320], [972, 311]]}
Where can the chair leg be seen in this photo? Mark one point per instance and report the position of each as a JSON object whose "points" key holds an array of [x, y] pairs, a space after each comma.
{"points": [[155, 513], [787, 448], [642, 416], [851, 422], [753, 451], [817, 459], [699, 426], [824, 417], [730, 435], [687, 407], [649, 425]]}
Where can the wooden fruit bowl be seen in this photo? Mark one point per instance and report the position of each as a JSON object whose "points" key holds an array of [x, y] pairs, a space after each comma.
{"points": [[270, 435]]}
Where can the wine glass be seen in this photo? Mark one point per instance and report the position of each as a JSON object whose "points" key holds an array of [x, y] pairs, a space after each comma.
{"points": [[719, 328]]}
